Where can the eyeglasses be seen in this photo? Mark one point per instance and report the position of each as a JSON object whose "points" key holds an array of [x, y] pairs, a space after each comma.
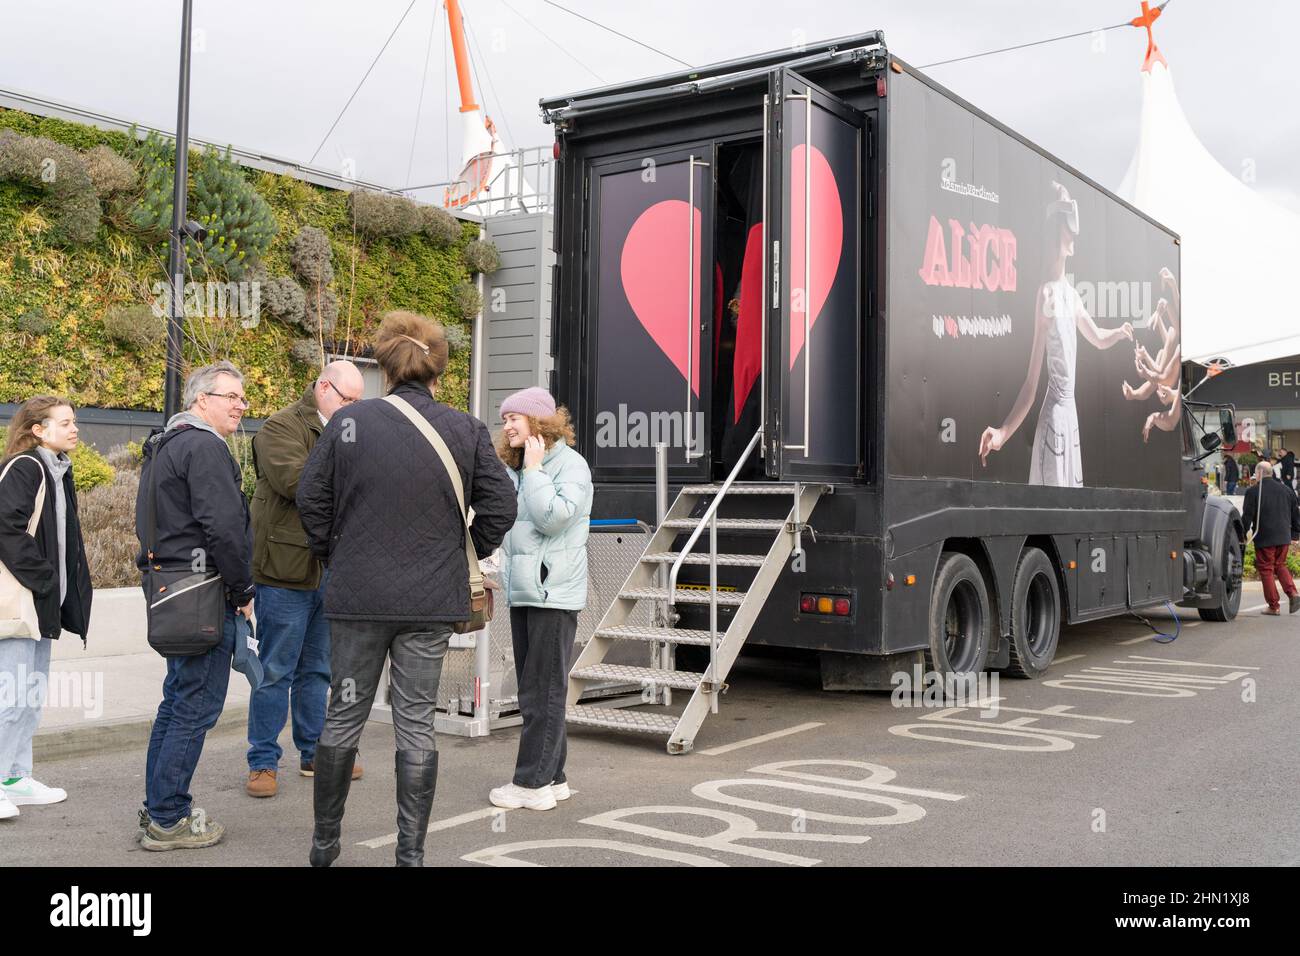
{"points": [[345, 398], [234, 398]]}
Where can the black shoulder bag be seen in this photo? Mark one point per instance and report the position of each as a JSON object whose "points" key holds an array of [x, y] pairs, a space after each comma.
{"points": [[186, 609]]}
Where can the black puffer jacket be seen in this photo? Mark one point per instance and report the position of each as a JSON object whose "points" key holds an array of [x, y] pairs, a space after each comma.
{"points": [[33, 561], [1277, 520], [379, 509], [201, 508]]}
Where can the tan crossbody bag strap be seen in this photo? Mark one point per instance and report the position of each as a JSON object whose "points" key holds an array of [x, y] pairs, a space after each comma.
{"points": [[449, 463]]}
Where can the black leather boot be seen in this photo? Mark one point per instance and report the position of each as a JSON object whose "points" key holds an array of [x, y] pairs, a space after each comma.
{"points": [[417, 776], [330, 792]]}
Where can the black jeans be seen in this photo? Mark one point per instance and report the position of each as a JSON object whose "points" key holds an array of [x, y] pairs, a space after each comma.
{"points": [[543, 640], [357, 653]]}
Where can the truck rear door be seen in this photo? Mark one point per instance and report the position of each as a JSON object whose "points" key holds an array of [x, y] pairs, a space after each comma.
{"points": [[813, 360]]}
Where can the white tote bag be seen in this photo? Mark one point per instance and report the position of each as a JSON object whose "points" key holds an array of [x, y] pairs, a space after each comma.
{"points": [[17, 608]]}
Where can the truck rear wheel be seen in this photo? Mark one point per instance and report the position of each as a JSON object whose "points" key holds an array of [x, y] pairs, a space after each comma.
{"points": [[960, 619], [1232, 567], [1035, 615]]}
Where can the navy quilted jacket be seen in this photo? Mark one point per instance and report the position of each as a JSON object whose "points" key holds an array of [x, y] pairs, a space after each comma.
{"points": [[380, 511]]}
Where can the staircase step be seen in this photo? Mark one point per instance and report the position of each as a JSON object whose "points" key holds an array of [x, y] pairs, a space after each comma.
{"points": [[626, 674], [740, 488], [670, 635], [731, 524], [684, 596], [634, 720], [724, 560]]}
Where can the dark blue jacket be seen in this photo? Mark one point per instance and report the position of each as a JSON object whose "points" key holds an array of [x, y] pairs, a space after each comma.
{"points": [[380, 510], [202, 511]]}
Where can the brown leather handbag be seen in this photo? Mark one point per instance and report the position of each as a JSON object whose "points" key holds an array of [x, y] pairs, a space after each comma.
{"points": [[480, 596]]}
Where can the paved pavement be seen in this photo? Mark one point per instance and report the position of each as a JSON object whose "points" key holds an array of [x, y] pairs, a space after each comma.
{"points": [[1129, 752]]}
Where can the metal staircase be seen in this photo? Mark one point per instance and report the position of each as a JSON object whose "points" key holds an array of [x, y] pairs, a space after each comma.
{"points": [[655, 578]]}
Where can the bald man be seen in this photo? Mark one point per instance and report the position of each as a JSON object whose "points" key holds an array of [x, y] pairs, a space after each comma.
{"points": [[291, 625]]}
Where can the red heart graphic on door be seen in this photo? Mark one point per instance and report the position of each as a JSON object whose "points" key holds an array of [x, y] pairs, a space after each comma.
{"points": [[655, 280], [827, 242]]}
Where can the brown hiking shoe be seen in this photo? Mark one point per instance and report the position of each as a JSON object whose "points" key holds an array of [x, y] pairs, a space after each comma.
{"points": [[308, 769], [261, 783]]}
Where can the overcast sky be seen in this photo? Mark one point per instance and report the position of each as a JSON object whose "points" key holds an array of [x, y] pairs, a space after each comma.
{"points": [[272, 75]]}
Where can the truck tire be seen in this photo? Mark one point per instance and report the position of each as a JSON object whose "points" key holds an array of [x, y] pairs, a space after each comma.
{"points": [[1232, 581], [1035, 615], [961, 622]]}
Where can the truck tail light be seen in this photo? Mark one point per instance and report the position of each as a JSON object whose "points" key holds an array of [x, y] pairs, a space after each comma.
{"points": [[826, 604]]}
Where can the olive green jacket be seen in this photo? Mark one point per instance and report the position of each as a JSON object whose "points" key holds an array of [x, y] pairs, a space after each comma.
{"points": [[281, 557]]}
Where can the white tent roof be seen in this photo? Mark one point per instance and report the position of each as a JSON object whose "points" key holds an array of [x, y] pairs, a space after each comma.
{"points": [[1239, 251]]}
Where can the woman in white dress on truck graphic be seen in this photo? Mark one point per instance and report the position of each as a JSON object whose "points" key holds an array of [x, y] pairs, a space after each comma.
{"points": [[1058, 313]]}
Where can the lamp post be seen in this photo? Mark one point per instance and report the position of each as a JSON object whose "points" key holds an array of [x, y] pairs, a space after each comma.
{"points": [[176, 251]]}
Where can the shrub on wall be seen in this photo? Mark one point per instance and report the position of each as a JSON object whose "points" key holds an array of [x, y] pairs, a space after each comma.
{"points": [[439, 225], [308, 352], [482, 256], [135, 327], [321, 315], [34, 322], [110, 172], [240, 225], [468, 301], [310, 255], [380, 214], [61, 174], [284, 299]]}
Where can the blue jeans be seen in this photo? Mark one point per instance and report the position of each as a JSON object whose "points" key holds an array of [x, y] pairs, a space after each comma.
{"points": [[24, 667], [194, 693], [295, 651], [1232, 487]]}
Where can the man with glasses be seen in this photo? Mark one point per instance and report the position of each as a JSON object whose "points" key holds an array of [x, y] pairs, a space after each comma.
{"points": [[294, 635], [201, 522]]}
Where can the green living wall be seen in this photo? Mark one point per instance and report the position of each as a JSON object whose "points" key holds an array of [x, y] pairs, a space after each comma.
{"points": [[77, 274]]}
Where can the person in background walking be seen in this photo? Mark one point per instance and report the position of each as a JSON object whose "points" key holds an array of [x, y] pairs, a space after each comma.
{"points": [[1288, 467], [294, 635], [1270, 510], [51, 563], [544, 579], [380, 511], [201, 511], [1231, 474]]}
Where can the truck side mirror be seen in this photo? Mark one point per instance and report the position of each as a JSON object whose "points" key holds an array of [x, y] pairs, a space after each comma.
{"points": [[1227, 427], [1210, 441]]}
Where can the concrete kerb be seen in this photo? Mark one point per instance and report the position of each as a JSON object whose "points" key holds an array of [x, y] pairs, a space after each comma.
{"points": [[110, 736]]}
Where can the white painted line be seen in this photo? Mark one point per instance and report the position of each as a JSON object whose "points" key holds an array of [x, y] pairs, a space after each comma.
{"points": [[1138, 640], [1257, 607], [1071, 657], [762, 739], [485, 814]]}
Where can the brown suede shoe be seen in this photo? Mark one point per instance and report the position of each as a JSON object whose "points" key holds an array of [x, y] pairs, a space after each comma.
{"points": [[308, 769], [261, 783]]}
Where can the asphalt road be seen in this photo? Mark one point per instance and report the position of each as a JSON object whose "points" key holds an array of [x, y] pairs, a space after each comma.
{"points": [[1150, 754]]}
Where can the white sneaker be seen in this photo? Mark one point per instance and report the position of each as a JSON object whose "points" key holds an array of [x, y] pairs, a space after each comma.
{"points": [[511, 797], [7, 809], [561, 790], [29, 791]]}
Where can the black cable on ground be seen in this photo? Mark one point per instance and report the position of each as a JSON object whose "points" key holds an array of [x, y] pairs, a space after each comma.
{"points": [[1168, 638]]}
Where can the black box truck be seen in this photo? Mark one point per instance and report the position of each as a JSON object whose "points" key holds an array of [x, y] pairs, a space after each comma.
{"points": [[919, 381]]}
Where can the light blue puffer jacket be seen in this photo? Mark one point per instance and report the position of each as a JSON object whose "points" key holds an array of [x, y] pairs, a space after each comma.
{"points": [[551, 530]]}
